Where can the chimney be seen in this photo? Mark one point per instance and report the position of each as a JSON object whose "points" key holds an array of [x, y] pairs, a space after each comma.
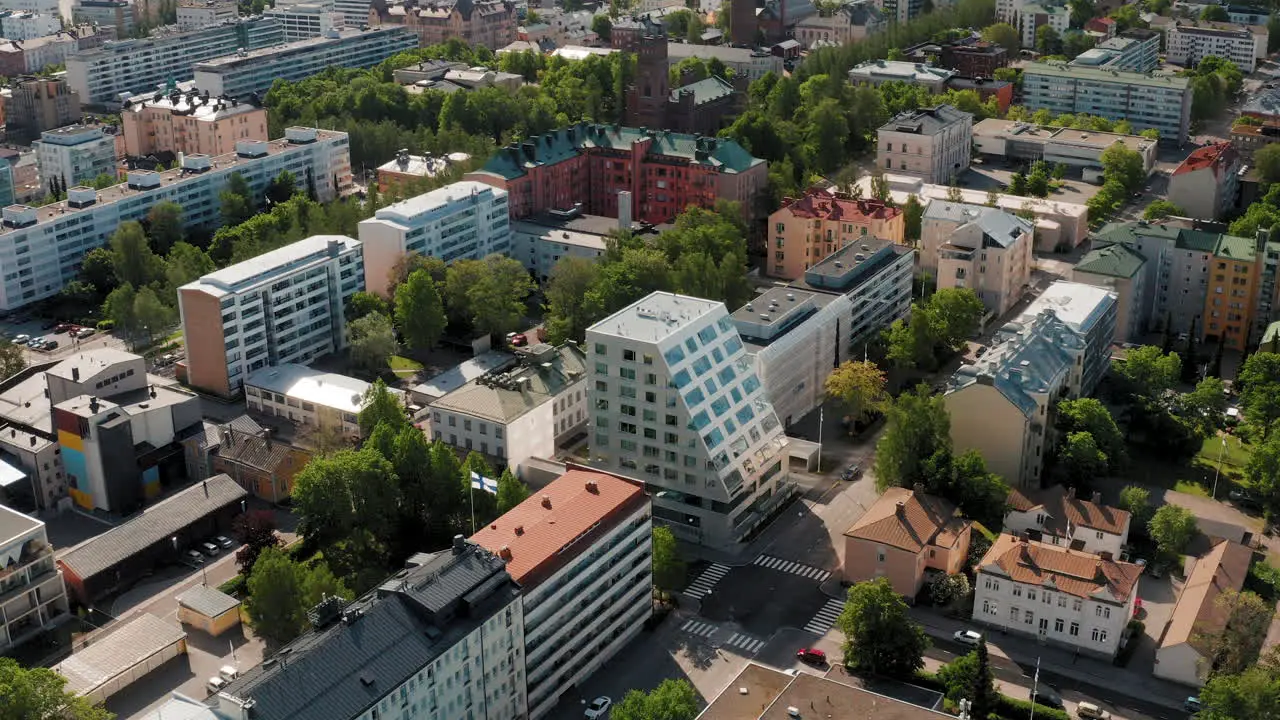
{"points": [[504, 552], [1097, 498], [75, 374], [546, 501], [901, 509], [93, 403], [1105, 556], [918, 488], [459, 544], [519, 530], [593, 487], [1071, 493]]}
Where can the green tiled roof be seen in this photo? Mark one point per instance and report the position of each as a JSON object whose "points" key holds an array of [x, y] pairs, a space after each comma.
{"points": [[1236, 248], [559, 145], [704, 91], [1117, 260], [1200, 240], [1183, 238]]}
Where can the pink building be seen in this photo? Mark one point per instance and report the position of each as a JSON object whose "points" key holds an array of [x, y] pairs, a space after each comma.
{"points": [[906, 536], [811, 227], [190, 124]]}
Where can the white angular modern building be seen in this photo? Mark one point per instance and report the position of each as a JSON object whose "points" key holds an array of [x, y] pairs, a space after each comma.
{"points": [[464, 220], [41, 247], [75, 154], [676, 402]]}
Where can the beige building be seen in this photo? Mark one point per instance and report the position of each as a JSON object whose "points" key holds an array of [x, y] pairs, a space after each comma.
{"points": [[906, 536], [491, 23], [1206, 183], [190, 124], [934, 144], [1056, 516], [847, 23], [985, 249], [1183, 653], [811, 227]]}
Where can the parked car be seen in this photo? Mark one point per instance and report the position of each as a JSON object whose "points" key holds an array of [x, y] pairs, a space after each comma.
{"points": [[50, 345], [967, 637], [85, 332], [853, 472], [209, 549], [1091, 711], [215, 685], [813, 656], [228, 673], [598, 708], [194, 557], [224, 541], [1046, 695], [1191, 704], [21, 339], [34, 343], [63, 327]]}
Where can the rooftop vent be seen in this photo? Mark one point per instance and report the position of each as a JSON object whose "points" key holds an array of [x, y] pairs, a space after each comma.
{"points": [[81, 197], [300, 135], [546, 501]]}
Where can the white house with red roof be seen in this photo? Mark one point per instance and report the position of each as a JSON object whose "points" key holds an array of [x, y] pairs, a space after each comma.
{"points": [[1056, 516], [1206, 184]]}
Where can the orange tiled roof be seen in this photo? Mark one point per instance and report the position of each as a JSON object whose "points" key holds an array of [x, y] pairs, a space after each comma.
{"points": [[531, 535], [1062, 506], [823, 205], [1205, 157], [1070, 571], [1197, 612], [909, 520]]}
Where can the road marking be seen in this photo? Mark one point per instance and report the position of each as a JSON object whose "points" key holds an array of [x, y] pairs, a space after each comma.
{"points": [[825, 617], [707, 580], [701, 629], [746, 643], [795, 568]]}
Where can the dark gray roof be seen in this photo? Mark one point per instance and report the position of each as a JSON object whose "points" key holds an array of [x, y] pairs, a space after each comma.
{"points": [[926, 121], [152, 525], [208, 601], [386, 636]]}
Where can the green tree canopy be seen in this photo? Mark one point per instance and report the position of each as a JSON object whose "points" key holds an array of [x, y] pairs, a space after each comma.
{"points": [[39, 693], [917, 428], [1147, 372], [1137, 500], [858, 388], [373, 341], [1172, 528], [165, 225], [668, 567], [881, 637], [419, 311], [381, 406], [1258, 383], [1161, 209], [1091, 416], [1004, 35], [671, 700]]}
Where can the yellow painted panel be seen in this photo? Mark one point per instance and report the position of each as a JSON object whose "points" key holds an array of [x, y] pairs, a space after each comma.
{"points": [[70, 440]]}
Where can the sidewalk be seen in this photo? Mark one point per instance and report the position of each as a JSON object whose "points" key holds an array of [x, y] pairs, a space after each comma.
{"points": [[1120, 682]]}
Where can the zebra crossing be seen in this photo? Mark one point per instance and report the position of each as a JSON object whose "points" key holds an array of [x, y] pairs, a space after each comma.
{"points": [[795, 568], [699, 628], [825, 618], [745, 643], [706, 581]]}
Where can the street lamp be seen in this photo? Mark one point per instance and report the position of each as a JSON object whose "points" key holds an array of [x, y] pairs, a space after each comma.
{"points": [[1217, 470]]}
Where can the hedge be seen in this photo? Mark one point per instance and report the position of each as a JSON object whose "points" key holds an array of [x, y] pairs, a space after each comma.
{"points": [[1015, 709]]}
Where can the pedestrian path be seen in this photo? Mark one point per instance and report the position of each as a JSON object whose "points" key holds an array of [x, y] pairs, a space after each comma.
{"points": [[746, 643], [826, 617], [699, 628], [706, 581], [795, 568]]}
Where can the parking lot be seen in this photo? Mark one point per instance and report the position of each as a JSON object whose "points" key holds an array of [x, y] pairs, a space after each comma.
{"points": [[996, 176], [23, 329]]}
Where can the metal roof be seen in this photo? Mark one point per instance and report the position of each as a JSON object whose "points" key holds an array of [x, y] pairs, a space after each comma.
{"points": [[117, 652], [210, 602]]}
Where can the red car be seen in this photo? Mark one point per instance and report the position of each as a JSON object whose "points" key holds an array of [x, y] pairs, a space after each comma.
{"points": [[812, 656]]}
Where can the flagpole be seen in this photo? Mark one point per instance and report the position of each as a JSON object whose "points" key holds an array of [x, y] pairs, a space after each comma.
{"points": [[472, 494], [1035, 687]]}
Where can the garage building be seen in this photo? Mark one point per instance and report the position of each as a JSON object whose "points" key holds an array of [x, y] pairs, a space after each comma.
{"points": [[208, 609], [120, 656]]}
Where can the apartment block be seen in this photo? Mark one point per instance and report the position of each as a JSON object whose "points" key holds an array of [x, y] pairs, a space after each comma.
{"points": [[1207, 183], [1133, 50], [934, 144], [875, 274], [253, 71], [1067, 598], [38, 104], [56, 236], [1186, 44], [196, 14], [519, 410], [106, 13], [540, 241], [849, 22], [1057, 517], [491, 23], [661, 172], [310, 399], [1119, 268], [987, 250], [1090, 313], [76, 154], [35, 55], [442, 638], [908, 537], [1231, 294], [284, 306], [676, 401], [1249, 139], [126, 67], [813, 226], [878, 72], [463, 220], [190, 124], [1016, 140], [1034, 16], [580, 549], [1161, 102], [20, 25], [39, 7], [306, 20], [33, 600], [967, 56]]}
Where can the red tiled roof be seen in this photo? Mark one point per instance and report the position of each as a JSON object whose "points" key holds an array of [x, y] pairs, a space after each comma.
{"points": [[1070, 571], [531, 535], [909, 520], [821, 204], [1062, 506], [1206, 157]]}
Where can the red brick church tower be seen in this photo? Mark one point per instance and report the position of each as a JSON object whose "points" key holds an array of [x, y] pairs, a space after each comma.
{"points": [[650, 90]]}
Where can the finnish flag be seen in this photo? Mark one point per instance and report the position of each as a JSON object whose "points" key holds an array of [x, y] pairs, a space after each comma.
{"points": [[480, 482]]}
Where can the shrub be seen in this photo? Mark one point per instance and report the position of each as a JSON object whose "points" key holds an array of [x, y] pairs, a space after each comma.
{"points": [[926, 679], [106, 324], [236, 586], [1264, 579], [1015, 709]]}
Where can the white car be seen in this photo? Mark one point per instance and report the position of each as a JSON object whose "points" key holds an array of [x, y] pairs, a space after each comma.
{"points": [[215, 685], [967, 637], [21, 339], [598, 708]]}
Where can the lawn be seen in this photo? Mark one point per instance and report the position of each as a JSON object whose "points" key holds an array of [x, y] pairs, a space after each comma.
{"points": [[1237, 453], [1194, 477], [403, 366]]}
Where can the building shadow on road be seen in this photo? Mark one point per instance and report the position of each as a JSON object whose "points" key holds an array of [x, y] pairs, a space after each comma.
{"points": [[148, 689], [217, 646]]}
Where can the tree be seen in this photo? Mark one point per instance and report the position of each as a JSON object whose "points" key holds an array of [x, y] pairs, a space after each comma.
{"points": [[1124, 165], [1148, 373], [150, 314], [186, 263], [118, 308], [365, 303], [913, 217], [949, 590], [965, 481], [970, 678], [131, 256], [1263, 473], [911, 341], [1172, 527], [1137, 501], [1081, 460], [1214, 13], [917, 428], [1235, 647], [318, 582], [1205, 406], [1091, 416], [373, 341], [1004, 35], [98, 269], [858, 387], [257, 530], [1267, 160], [511, 492], [1254, 693], [1048, 42], [880, 637], [602, 26], [668, 567], [954, 314], [237, 200], [1082, 11], [281, 188], [1161, 209], [1258, 383], [671, 700], [410, 263], [419, 311], [13, 359], [272, 603], [567, 317], [39, 693], [165, 225], [347, 505], [381, 406]]}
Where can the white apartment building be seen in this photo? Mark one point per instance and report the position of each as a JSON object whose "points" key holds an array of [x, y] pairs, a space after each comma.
{"points": [[38, 7], [443, 638], [284, 306], [309, 398], [76, 154], [254, 71], [1008, 11], [518, 410], [41, 247], [33, 600], [934, 144], [583, 601], [306, 20], [27, 25], [985, 249], [539, 241], [1187, 44], [1057, 517], [196, 14], [1032, 17], [675, 400], [466, 219], [1058, 596], [125, 67]]}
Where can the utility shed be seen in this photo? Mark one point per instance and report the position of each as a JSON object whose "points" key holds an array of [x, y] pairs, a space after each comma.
{"points": [[208, 609]]}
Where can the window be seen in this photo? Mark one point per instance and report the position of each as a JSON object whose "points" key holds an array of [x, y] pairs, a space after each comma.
{"points": [[1076, 605], [990, 608], [1099, 534], [701, 366], [601, 350], [1017, 591], [627, 373], [1014, 614], [1046, 597], [672, 356], [991, 584], [1058, 625], [880, 555], [1031, 593], [1062, 601], [1102, 612], [1075, 629], [1030, 617], [1099, 635], [629, 355]]}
